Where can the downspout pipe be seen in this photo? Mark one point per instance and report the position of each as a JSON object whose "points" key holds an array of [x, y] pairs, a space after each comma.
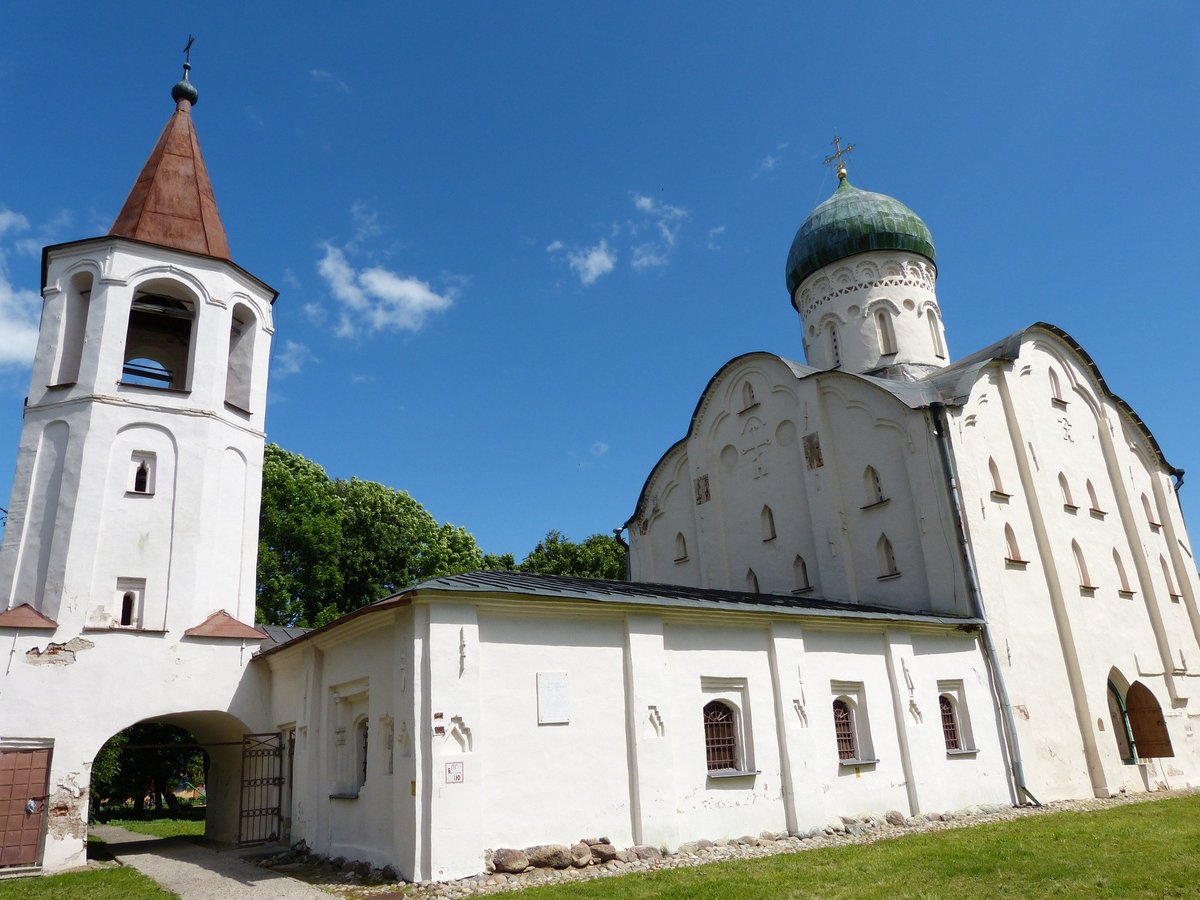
{"points": [[938, 413], [1177, 474]]}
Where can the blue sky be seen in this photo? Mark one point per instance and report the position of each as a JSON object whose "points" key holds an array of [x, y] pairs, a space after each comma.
{"points": [[513, 241]]}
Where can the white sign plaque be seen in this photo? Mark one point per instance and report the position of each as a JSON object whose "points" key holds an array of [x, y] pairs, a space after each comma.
{"points": [[553, 698], [454, 773]]}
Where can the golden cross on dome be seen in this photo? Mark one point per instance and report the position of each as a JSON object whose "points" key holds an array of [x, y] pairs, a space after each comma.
{"points": [[838, 152]]}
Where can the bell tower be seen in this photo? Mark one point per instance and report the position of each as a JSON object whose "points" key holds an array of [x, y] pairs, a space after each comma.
{"points": [[135, 500]]}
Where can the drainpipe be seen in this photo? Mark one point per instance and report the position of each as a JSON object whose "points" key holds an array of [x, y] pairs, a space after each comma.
{"points": [[1177, 474], [938, 412], [620, 540]]}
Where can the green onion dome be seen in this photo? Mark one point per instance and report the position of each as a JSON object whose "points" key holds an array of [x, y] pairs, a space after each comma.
{"points": [[854, 221]]}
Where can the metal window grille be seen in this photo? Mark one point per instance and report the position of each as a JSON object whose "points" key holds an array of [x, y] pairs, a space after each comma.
{"points": [[720, 741], [949, 723], [843, 728]]}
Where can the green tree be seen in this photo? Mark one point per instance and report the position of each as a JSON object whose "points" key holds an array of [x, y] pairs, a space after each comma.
{"points": [[598, 556], [328, 546], [148, 758]]}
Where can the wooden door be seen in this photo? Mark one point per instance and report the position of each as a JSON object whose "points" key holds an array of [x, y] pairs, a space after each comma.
{"points": [[24, 784], [1150, 737]]}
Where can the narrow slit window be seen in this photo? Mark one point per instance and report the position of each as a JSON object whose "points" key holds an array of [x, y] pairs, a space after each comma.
{"points": [[1166, 570], [1092, 498], [887, 557], [1150, 519], [1122, 578], [887, 337], [141, 465], [680, 547], [1010, 540], [935, 334], [767, 520], [873, 486], [361, 738], [748, 395], [1068, 502], [800, 569], [997, 483], [128, 608], [1085, 582], [835, 350], [1055, 386], [751, 581]]}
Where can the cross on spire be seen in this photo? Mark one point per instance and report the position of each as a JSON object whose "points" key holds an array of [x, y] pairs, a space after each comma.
{"points": [[187, 56], [838, 152]]}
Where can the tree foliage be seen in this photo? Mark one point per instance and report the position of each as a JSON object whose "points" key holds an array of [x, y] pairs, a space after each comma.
{"points": [[328, 546], [598, 556], [146, 759]]}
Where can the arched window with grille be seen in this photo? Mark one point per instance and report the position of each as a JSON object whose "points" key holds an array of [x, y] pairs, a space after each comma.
{"points": [[950, 731], [843, 729], [720, 737]]}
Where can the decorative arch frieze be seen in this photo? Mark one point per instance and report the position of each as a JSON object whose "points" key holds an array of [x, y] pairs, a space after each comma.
{"points": [[871, 305], [820, 289]]}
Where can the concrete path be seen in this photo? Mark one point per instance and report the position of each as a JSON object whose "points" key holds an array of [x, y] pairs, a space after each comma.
{"points": [[198, 871]]}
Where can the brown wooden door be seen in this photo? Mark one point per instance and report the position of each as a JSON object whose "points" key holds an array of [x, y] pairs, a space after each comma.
{"points": [[1150, 736], [24, 783]]}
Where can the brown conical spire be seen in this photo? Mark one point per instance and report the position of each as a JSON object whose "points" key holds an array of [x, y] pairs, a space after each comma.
{"points": [[172, 201]]}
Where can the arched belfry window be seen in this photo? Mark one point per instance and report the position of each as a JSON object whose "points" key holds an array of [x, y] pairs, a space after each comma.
{"points": [[835, 350], [158, 342], [767, 520], [680, 547], [873, 486], [887, 557], [887, 335], [240, 368], [74, 325]]}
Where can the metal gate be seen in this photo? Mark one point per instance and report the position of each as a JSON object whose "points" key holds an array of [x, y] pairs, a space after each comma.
{"points": [[262, 783], [24, 784]]}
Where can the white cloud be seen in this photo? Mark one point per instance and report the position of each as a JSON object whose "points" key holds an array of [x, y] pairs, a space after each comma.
{"points": [[378, 299], [646, 256], [322, 76], [554, 246], [12, 221], [315, 313], [19, 314], [599, 448], [770, 162], [291, 359], [714, 235], [668, 219], [591, 263]]}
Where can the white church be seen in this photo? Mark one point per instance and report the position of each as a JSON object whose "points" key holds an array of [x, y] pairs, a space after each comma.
{"points": [[879, 580]]}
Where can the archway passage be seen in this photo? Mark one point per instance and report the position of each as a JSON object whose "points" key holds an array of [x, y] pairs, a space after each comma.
{"points": [[1150, 737]]}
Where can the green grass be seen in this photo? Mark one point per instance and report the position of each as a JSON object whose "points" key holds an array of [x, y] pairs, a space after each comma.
{"points": [[162, 827], [94, 884], [1139, 850]]}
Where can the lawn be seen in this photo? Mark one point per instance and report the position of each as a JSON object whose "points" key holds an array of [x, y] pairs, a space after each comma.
{"points": [[161, 827], [1139, 850], [94, 884]]}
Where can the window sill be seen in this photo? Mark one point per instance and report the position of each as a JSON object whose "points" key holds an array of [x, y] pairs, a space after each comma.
{"points": [[1097, 513], [878, 503], [1071, 508], [804, 590], [1175, 598], [966, 751], [887, 577], [1015, 563], [768, 540], [746, 409], [1088, 589], [854, 763], [1001, 497], [61, 386], [1058, 403], [139, 493], [733, 773], [1126, 595], [129, 629], [344, 796], [1156, 527], [237, 409], [179, 392], [681, 559]]}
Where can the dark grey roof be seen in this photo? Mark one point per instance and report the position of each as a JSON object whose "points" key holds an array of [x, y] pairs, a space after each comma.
{"points": [[280, 634], [672, 595]]}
